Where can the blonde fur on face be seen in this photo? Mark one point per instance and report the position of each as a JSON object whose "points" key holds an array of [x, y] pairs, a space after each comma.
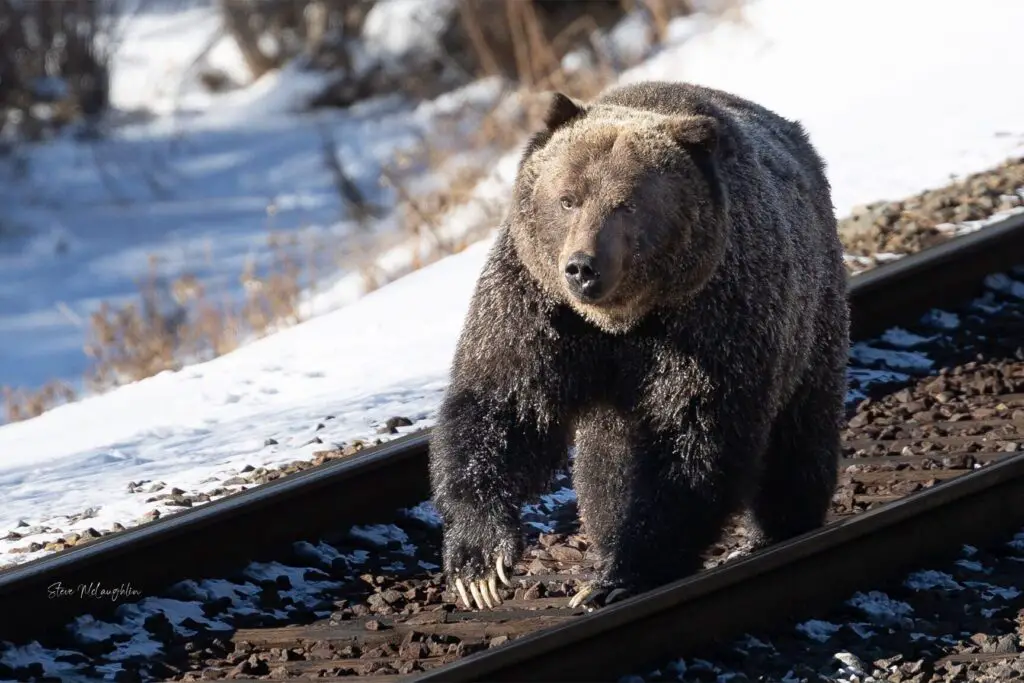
{"points": [[619, 170]]}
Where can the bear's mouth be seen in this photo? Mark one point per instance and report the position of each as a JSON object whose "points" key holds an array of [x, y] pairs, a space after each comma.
{"points": [[590, 295], [586, 280]]}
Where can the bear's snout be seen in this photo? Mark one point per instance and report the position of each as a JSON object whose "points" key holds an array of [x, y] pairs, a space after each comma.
{"points": [[583, 277]]}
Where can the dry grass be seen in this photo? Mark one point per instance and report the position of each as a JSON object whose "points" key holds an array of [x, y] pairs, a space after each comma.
{"points": [[19, 404], [140, 339], [177, 321], [135, 340]]}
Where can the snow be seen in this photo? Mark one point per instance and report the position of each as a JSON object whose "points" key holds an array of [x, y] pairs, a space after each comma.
{"points": [[990, 592], [971, 565], [194, 188], [303, 588], [862, 630], [871, 112], [548, 503], [213, 418], [879, 607], [860, 379], [943, 320], [32, 653], [818, 630], [903, 360], [383, 534], [396, 29], [1003, 283], [749, 642], [155, 51], [903, 339], [426, 513], [931, 579]]}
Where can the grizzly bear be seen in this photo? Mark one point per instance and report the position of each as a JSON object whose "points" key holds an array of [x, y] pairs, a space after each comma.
{"points": [[667, 293]]}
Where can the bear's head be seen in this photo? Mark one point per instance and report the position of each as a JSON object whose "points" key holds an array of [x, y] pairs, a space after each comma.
{"points": [[617, 210]]}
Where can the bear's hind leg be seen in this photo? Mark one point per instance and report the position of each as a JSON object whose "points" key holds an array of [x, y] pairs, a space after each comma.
{"points": [[799, 469]]}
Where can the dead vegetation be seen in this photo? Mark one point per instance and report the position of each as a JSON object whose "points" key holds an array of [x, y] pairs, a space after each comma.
{"points": [[54, 64], [524, 43], [179, 321]]}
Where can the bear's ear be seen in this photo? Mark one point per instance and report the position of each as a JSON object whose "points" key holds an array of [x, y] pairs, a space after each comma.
{"points": [[694, 131], [561, 110]]}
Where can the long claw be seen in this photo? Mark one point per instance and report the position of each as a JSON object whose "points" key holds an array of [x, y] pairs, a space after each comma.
{"points": [[501, 570], [584, 593], [462, 593], [484, 593], [492, 585], [476, 594]]}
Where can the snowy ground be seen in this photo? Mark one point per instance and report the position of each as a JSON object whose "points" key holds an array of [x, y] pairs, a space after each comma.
{"points": [[194, 191], [897, 96]]}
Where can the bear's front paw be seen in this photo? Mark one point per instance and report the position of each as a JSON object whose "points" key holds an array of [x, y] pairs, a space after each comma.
{"points": [[599, 593], [475, 568]]}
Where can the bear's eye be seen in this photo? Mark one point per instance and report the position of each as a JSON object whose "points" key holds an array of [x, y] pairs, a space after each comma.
{"points": [[628, 207], [567, 202]]}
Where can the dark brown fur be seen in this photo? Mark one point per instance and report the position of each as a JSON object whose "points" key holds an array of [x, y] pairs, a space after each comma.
{"points": [[709, 374]]}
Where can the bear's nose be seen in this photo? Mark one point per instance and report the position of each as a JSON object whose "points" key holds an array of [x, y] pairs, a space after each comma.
{"points": [[581, 274]]}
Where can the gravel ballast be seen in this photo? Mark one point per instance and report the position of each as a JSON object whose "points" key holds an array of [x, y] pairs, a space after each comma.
{"points": [[884, 231]]}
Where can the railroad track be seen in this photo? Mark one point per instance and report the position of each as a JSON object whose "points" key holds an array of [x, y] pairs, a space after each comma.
{"points": [[938, 446]]}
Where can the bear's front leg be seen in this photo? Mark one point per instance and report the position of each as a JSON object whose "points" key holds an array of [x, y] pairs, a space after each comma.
{"points": [[487, 459], [652, 500]]}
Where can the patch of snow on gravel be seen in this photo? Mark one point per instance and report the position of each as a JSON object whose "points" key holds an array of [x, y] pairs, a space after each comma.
{"points": [[556, 499], [897, 336], [547, 504], [818, 630], [990, 592], [862, 630], [902, 360], [426, 513], [943, 320], [176, 611], [88, 630], [306, 584], [1004, 284], [972, 565], [27, 655], [987, 303], [209, 590], [749, 642], [321, 553], [930, 579], [879, 607], [382, 534]]}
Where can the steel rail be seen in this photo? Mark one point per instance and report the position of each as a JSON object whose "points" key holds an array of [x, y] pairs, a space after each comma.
{"points": [[790, 580], [216, 538], [223, 535], [947, 274]]}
